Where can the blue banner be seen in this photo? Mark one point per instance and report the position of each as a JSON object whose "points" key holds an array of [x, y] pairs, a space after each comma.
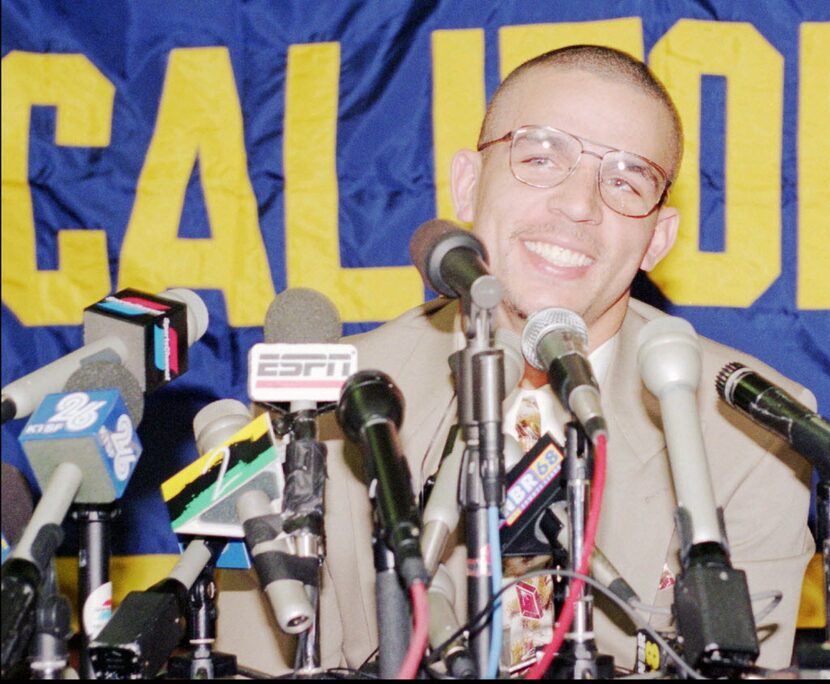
{"points": [[240, 148]]}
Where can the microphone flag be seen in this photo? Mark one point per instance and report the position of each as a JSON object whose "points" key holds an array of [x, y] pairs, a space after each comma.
{"points": [[88, 428], [154, 323], [201, 498]]}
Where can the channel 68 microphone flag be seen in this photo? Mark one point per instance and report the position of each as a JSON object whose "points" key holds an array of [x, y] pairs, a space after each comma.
{"points": [[258, 146]]}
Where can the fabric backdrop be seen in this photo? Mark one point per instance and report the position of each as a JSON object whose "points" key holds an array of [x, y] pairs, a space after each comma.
{"points": [[239, 148]]}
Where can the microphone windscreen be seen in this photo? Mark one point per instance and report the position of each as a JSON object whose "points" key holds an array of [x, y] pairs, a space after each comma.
{"points": [[431, 243], [668, 354], [545, 321], [424, 240], [301, 315], [99, 375], [17, 504], [197, 311], [218, 422], [725, 380]]}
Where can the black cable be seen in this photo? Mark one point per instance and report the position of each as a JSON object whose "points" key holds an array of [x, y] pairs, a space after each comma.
{"points": [[486, 613], [368, 658]]}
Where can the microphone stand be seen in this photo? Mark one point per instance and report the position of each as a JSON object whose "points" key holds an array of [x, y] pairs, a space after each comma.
{"points": [[94, 552], [480, 389], [302, 518], [50, 653], [202, 662], [823, 533], [579, 658]]}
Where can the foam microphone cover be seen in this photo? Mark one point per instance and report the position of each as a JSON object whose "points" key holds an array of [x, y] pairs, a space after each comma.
{"points": [[429, 245], [301, 315], [217, 422], [197, 311], [98, 375], [17, 504]]}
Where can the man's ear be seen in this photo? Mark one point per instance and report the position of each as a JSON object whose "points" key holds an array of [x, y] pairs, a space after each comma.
{"points": [[464, 176], [662, 240]]}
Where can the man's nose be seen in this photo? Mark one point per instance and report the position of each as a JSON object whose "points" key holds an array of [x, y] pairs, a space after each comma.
{"points": [[577, 197]]}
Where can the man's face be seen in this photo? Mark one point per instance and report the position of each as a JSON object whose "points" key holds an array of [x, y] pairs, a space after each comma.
{"points": [[563, 246]]}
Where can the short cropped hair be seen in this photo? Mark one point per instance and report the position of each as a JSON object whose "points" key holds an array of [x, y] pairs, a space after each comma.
{"points": [[603, 61]]}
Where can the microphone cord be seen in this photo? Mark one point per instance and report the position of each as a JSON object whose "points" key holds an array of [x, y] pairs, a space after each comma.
{"points": [[592, 523], [420, 631]]}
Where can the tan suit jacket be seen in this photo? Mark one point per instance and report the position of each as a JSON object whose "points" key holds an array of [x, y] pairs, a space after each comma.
{"points": [[761, 484]]}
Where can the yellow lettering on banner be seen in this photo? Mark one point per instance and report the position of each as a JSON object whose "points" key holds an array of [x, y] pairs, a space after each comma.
{"points": [[458, 101], [751, 260], [199, 120], [517, 44], [83, 99], [813, 168], [312, 242]]}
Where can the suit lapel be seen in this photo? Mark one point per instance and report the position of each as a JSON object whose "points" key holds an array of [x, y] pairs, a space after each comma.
{"points": [[431, 403]]}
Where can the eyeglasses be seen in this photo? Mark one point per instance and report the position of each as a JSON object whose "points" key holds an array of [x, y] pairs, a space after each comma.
{"points": [[544, 157]]}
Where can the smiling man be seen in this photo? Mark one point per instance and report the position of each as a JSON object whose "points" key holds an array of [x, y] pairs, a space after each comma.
{"points": [[568, 192], [567, 189]]}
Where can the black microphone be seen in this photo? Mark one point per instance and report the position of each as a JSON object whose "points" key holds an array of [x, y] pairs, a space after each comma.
{"points": [[148, 625], [777, 411], [453, 262], [555, 340], [370, 412]]}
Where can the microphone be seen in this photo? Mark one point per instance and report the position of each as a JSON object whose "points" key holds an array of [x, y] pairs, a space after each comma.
{"points": [[669, 359], [370, 412], [302, 328], [239, 455], [555, 340], [148, 334], [148, 625], [453, 262], [16, 502], [777, 411], [300, 361], [670, 366], [442, 510], [82, 448], [92, 425], [242, 452], [282, 575], [302, 315]]}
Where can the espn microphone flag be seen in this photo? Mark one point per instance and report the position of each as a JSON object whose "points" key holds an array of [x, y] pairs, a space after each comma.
{"points": [[299, 372], [94, 427], [201, 498]]}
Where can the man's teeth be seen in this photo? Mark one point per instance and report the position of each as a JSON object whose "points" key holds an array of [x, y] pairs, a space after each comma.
{"points": [[559, 256]]}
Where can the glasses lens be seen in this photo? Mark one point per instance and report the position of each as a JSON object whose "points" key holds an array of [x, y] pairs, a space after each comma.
{"points": [[629, 184], [543, 157]]}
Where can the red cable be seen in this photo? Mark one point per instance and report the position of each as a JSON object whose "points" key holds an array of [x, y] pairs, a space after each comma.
{"points": [[591, 524], [420, 631]]}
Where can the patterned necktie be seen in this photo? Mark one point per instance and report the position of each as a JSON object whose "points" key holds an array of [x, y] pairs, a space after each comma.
{"points": [[527, 607], [528, 423]]}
